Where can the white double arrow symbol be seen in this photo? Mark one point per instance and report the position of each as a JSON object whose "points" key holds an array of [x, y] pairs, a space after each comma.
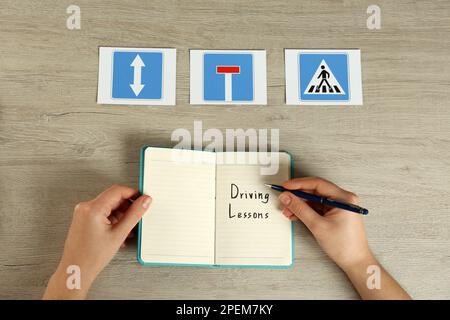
{"points": [[137, 64]]}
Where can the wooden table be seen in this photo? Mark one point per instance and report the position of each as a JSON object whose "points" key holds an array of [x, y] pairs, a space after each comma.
{"points": [[58, 147]]}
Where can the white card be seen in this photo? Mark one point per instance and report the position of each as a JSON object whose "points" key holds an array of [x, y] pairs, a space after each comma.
{"points": [[141, 76], [228, 77], [323, 77]]}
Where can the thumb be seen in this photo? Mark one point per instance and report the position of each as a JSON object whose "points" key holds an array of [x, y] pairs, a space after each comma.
{"points": [[301, 210], [133, 215]]}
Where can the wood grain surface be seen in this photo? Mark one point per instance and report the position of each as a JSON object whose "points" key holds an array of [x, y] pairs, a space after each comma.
{"points": [[58, 147]]}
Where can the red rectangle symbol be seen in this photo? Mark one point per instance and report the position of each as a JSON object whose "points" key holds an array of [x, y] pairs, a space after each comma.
{"points": [[228, 69]]}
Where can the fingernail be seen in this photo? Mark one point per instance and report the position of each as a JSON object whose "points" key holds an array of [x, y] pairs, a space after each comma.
{"points": [[146, 203], [285, 199]]}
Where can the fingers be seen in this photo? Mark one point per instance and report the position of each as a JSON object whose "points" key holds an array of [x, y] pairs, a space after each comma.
{"points": [[301, 210], [132, 216], [321, 187], [112, 198], [115, 216], [289, 214]]}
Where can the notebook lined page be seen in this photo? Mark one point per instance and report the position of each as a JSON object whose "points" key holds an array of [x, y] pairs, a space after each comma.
{"points": [[179, 228], [250, 228]]}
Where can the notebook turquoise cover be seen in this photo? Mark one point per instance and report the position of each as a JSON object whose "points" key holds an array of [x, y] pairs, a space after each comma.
{"points": [[141, 188]]}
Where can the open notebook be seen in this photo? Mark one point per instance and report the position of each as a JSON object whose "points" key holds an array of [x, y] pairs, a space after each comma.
{"points": [[211, 212]]}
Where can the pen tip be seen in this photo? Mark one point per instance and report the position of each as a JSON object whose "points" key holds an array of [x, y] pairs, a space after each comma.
{"points": [[268, 185]]}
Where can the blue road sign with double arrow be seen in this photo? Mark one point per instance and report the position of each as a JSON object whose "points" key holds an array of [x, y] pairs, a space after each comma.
{"points": [[137, 75]]}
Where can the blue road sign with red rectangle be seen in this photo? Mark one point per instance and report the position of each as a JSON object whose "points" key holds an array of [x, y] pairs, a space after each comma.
{"points": [[228, 77]]}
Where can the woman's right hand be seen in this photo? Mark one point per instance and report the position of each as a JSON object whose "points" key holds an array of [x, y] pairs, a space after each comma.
{"points": [[340, 233]]}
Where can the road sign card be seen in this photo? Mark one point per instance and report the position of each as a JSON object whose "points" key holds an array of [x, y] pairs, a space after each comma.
{"points": [[228, 77], [323, 77], [137, 76]]}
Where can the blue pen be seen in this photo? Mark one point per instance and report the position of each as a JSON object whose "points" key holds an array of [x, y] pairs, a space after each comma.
{"points": [[323, 200]]}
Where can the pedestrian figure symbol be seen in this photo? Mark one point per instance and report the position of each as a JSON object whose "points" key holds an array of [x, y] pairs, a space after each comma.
{"points": [[324, 75], [324, 82]]}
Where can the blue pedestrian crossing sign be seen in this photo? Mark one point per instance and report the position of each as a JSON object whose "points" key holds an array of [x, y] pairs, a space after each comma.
{"points": [[323, 77], [137, 76], [228, 77]]}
